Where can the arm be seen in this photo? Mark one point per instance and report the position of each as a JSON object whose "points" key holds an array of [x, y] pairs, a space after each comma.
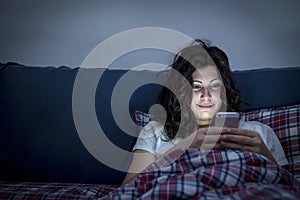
{"points": [[242, 139], [205, 138], [141, 159]]}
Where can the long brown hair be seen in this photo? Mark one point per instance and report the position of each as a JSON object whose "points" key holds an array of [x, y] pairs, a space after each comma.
{"points": [[199, 54]]}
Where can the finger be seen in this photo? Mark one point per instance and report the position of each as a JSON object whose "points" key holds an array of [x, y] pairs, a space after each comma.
{"points": [[235, 146], [216, 146], [238, 131], [239, 139], [200, 139], [213, 130], [211, 139]]}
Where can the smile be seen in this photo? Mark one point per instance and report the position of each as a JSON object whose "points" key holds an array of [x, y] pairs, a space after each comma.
{"points": [[205, 106]]}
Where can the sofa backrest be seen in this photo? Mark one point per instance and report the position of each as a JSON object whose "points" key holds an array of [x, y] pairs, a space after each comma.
{"points": [[38, 136]]}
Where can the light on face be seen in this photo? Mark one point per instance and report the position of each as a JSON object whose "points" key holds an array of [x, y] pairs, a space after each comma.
{"points": [[214, 85]]}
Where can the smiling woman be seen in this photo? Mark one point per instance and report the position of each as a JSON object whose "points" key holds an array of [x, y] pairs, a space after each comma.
{"points": [[191, 110], [206, 100]]}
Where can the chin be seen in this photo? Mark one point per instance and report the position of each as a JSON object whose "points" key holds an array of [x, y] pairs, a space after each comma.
{"points": [[203, 123], [205, 116], [204, 119]]}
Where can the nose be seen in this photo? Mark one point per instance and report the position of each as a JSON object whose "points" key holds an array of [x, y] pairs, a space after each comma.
{"points": [[205, 93]]}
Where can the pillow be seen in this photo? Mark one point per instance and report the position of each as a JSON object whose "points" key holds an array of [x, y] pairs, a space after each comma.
{"points": [[141, 119], [283, 120]]}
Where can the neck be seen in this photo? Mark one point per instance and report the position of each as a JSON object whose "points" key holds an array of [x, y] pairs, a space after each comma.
{"points": [[204, 123]]}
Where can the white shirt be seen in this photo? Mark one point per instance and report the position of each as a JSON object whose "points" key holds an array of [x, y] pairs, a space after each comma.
{"points": [[150, 139]]}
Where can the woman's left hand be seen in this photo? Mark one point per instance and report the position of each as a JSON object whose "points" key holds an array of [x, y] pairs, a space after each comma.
{"points": [[242, 139]]}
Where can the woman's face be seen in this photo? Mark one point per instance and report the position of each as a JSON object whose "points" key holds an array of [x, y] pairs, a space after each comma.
{"points": [[207, 87]]}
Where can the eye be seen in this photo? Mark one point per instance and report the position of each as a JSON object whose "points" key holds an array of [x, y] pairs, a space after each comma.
{"points": [[216, 85], [197, 86]]}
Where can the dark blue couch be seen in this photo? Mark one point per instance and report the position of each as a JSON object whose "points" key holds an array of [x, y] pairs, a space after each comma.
{"points": [[38, 136]]}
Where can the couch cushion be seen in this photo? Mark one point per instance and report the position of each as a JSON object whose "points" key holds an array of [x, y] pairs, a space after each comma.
{"points": [[268, 87], [38, 138]]}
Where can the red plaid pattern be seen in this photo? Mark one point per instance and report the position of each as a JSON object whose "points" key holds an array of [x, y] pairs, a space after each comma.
{"points": [[141, 119], [217, 175], [285, 121], [53, 191]]}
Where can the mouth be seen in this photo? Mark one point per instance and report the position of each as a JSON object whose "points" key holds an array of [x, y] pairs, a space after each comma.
{"points": [[205, 106]]}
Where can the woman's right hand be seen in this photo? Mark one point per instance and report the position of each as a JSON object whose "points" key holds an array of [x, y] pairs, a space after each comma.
{"points": [[206, 138]]}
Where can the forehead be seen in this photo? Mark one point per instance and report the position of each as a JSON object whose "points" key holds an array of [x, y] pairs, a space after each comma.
{"points": [[206, 73]]}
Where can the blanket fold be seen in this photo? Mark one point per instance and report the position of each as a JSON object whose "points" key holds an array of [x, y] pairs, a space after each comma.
{"points": [[200, 174]]}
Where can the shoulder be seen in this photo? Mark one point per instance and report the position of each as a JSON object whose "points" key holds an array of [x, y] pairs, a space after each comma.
{"points": [[262, 129], [269, 137], [148, 137], [254, 125], [153, 127], [265, 131]]}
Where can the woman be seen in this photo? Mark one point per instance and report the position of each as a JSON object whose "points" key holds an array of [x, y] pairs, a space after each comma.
{"points": [[190, 110]]}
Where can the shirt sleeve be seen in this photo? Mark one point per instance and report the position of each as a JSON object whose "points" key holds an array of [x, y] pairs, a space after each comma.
{"points": [[147, 139], [269, 138], [274, 146]]}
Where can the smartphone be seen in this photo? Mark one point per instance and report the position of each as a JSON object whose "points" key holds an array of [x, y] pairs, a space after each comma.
{"points": [[227, 119]]}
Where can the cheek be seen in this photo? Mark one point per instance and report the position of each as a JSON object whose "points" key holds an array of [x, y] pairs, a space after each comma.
{"points": [[194, 101], [216, 95], [195, 96]]}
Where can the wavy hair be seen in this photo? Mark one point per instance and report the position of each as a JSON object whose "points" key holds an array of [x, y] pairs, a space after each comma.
{"points": [[177, 106]]}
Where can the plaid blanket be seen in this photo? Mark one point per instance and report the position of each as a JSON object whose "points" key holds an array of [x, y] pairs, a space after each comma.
{"points": [[216, 175], [53, 191], [196, 174]]}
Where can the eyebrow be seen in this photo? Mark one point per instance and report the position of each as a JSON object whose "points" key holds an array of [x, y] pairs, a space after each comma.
{"points": [[215, 79]]}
